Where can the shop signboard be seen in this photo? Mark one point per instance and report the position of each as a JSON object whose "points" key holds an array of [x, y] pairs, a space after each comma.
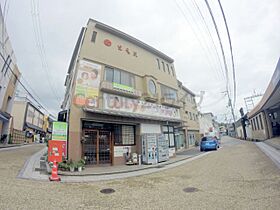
{"points": [[55, 151], [87, 84], [123, 104], [59, 133], [123, 87]]}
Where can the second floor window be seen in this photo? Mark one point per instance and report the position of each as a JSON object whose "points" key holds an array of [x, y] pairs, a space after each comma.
{"points": [[168, 92], [119, 76]]}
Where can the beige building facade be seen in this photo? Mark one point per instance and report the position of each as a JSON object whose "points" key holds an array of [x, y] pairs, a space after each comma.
{"points": [[264, 119], [120, 92], [9, 75], [28, 118], [189, 133]]}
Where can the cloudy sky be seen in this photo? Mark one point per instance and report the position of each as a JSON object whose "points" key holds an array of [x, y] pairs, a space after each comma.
{"points": [[173, 27]]}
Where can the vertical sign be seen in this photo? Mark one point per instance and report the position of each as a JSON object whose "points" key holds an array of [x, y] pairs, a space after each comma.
{"points": [[59, 133], [87, 84]]}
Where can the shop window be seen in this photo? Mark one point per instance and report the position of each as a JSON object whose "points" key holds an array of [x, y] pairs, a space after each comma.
{"points": [[168, 92], [109, 74], [168, 132], [119, 76], [124, 135]]}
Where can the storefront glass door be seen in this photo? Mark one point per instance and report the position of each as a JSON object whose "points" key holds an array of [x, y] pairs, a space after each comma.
{"points": [[97, 147]]}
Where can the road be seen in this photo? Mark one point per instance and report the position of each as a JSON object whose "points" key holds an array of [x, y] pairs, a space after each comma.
{"points": [[237, 176]]}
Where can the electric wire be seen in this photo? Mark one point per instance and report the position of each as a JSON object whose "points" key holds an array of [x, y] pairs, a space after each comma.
{"points": [[232, 60], [210, 35], [40, 44], [24, 87], [196, 35], [220, 41], [208, 49]]}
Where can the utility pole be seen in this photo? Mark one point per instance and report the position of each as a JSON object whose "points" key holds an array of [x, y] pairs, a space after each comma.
{"points": [[231, 108]]}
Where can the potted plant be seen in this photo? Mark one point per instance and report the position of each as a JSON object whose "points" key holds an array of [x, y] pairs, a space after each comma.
{"points": [[72, 166], [81, 165]]}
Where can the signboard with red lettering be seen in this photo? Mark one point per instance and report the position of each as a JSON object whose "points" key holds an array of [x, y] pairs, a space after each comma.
{"points": [[55, 151]]}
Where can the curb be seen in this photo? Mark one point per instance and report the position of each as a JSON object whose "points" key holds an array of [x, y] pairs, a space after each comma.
{"points": [[158, 166]]}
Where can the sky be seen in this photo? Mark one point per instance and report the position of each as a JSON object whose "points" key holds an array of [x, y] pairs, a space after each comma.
{"points": [[174, 27]]}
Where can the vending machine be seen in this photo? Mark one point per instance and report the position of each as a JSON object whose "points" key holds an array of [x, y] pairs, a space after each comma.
{"points": [[163, 148], [149, 148]]}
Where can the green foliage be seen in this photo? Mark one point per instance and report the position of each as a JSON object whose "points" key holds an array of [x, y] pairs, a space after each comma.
{"points": [[65, 165]]}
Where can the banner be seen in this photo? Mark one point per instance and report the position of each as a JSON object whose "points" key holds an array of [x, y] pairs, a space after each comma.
{"points": [[59, 131], [59, 134], [87, 84], [123, 104]]}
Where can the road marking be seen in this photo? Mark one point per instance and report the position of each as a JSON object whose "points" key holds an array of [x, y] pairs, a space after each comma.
{"points": [[271, 152]]}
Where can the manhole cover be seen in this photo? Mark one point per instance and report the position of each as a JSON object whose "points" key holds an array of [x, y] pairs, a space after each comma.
{"points": [[190, 189], [107, 191]]}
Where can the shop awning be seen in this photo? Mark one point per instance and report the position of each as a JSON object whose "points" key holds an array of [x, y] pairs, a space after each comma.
{"points": [[131, 115], [271, 97], [29, 125], [4, 116]]}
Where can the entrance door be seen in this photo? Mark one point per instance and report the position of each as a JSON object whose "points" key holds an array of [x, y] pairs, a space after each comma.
{"points": [[97, 147]]}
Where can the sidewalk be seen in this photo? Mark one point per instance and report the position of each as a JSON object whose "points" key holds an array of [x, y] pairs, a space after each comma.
{"points": [[31, 169], [4, 147], [274, 142], [109, 170]]}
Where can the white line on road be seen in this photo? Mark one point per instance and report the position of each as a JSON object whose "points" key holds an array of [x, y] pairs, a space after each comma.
{"points": [[271, 152]]}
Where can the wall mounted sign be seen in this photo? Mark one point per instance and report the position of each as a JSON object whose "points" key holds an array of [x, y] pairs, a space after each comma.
{"points": [[87, 84], [107, 42], [122, 48], [123, 104], [123, 87]]}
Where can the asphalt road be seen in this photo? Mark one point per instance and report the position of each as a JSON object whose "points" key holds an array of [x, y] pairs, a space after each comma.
{"points": [[237, 176]]}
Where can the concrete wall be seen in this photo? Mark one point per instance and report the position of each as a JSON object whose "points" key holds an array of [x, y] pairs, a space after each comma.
{"points": [[259, 126], [18, 114]]}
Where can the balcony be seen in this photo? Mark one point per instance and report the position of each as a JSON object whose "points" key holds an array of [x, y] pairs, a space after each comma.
{"points": [[150, 97], [170, 102], [120, 89]]}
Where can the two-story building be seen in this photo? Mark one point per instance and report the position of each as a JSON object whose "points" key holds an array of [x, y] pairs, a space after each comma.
{"points": [[28, 118], [9, 75], [117, 90]]}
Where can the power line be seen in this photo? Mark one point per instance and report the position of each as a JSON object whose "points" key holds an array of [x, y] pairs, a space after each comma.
{"points": [[23, 86], [210, 35], [40, 44], [200, 31], [220, 41], [196, 35], [224, 59], [232, 60]]}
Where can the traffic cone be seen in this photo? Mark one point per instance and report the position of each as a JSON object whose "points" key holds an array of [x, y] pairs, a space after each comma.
{"points": [[54, 176]]}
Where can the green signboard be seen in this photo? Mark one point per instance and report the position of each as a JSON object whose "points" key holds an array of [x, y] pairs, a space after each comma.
{"points": [[123, 87], [59, 131]]}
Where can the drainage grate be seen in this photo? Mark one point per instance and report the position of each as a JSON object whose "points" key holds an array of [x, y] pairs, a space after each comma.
{"points": [[190, 189], [107, 191]]}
